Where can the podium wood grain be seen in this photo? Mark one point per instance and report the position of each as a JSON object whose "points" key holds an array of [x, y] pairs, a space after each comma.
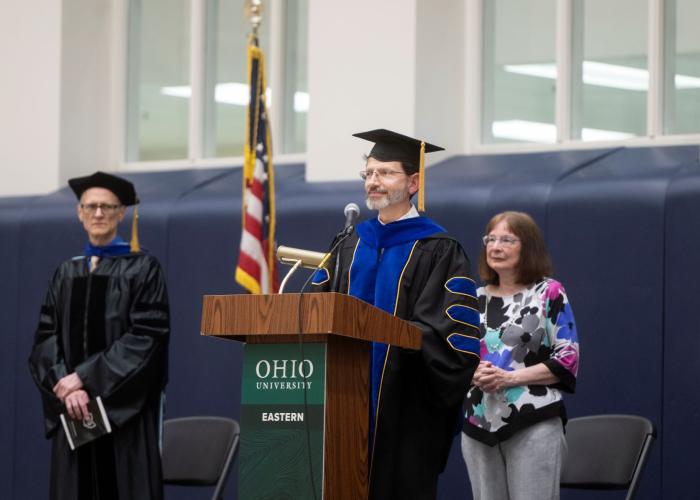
{"points": [[237, 317]]}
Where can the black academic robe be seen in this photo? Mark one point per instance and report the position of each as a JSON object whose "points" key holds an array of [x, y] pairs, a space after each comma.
{"points": [[420, 400], [111, 327]]}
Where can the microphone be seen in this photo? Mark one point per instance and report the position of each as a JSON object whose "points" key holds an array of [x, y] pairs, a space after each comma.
{"points": [[298, 257], [352, 212]]}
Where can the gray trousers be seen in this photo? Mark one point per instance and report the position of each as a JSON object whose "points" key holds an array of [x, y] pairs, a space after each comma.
{"points": [[527, 466]]}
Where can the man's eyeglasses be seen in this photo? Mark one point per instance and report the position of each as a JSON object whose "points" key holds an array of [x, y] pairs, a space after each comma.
{"points": [[383, 173], [506, 241], [107, 208]]}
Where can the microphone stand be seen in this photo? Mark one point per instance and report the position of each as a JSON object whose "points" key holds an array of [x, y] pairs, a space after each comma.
{"points": [[336, 269], [298, 257], [297, 265]]}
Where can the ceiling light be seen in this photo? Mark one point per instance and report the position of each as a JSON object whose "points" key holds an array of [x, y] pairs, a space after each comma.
{"points": [[529, 131], [236, 94], [604, 75]]}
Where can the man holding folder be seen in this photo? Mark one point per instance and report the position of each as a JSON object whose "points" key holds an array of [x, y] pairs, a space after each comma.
{"points": [[103, 332]]}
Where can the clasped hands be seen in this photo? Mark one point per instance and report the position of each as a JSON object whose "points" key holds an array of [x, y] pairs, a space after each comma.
{"points": [[490, 378], [69, 390]]}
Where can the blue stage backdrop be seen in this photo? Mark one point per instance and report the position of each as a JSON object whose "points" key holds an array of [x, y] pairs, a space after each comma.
{"points": [[621, 224]]}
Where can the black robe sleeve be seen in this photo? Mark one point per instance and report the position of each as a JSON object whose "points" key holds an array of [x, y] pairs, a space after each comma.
{"points": [[46, 361], [446, 311], [132, 368]]}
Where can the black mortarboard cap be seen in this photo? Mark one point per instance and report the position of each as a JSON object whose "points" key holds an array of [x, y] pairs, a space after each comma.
{"points": [[392, 146], [122, 189]]}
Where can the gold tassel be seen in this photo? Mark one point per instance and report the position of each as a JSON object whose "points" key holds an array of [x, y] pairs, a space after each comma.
{"points": [[421, 178], [135, 247]]}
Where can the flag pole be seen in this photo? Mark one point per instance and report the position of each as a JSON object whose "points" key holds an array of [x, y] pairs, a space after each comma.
{"points": [[257, 267]]}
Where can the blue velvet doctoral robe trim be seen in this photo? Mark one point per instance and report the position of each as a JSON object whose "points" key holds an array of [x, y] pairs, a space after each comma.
{"points": [[380, 259], [116, 247]]}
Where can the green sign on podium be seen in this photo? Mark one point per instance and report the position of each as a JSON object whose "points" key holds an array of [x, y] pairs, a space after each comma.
{"points": [[276, 424]]}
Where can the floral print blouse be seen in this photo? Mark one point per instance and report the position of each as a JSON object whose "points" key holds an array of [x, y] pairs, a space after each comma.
{"points": [[535, 325]]}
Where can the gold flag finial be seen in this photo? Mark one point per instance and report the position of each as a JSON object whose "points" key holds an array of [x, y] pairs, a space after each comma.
{"points": [[253, 11]]}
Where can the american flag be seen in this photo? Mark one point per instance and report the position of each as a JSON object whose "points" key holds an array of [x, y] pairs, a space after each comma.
{"points": [[257, 270]]}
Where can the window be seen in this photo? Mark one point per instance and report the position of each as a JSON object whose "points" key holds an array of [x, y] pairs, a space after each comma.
{"points": [[296, 94], [682, 100], [561, 72], [519, 71], [187, 77], [612, 102], [159, 71], [226, 97]]}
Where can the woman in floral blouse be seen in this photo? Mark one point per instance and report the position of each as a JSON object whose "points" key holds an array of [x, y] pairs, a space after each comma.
{"points": [[513, 440]]}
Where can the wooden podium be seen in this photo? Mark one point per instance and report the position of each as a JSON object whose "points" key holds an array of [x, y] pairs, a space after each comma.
{"points": [[344, 327]]}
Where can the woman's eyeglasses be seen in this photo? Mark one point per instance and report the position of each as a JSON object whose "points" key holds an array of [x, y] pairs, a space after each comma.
{"points": [[506, 241]]}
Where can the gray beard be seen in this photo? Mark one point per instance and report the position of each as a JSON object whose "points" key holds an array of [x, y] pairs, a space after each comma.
{"points": [[391, 198], [377, 204]]}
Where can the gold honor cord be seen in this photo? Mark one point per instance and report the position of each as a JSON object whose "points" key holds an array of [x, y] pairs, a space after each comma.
{"points": [[135, 247], [421, 178]]}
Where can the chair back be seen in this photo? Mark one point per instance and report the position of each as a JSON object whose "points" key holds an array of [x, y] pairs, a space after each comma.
{"points": [[199, 451], [607, 452]]}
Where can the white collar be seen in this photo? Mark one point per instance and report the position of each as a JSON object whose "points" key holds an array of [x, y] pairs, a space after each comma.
{"points": [[408, 215]]}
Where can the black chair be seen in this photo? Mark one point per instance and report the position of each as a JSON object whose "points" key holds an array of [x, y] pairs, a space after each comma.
{"points": [[199, 451], [607, 452]]}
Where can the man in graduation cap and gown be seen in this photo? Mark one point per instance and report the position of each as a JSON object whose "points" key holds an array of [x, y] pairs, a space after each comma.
{"points": [[103, 331], [408, 266]]}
